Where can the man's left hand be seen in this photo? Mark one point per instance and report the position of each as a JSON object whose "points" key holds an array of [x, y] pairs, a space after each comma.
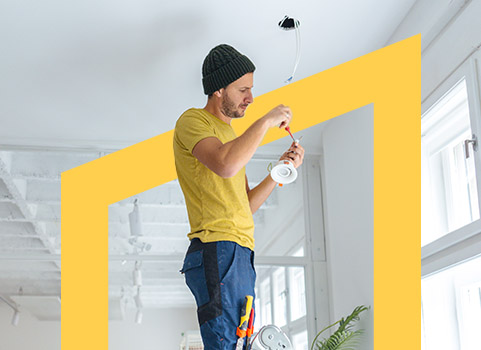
{"points": [[295, 154]]}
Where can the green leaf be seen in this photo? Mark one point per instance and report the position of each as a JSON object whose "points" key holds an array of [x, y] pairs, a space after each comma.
{"points": [[341, 341], [354, 316], [343, 338]]}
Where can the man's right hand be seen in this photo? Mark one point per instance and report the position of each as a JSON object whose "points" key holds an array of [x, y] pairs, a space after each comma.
{"points": [[279, 116], [227, 159]]}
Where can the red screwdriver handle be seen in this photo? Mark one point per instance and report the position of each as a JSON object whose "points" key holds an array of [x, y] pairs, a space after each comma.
{"points": [[250, 328], [288, 129]]}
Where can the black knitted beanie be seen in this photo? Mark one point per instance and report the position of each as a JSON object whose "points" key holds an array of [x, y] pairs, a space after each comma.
{"points": [[222, 66]]}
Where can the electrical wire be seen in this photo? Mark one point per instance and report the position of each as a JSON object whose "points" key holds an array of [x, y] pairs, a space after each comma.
{"points": [[298, 50], [252, 342]]}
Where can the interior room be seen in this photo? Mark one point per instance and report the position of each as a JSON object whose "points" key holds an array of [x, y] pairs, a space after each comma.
{"points": [[83, 80]]}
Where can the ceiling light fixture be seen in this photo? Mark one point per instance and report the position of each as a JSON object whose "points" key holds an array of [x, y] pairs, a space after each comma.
{"points": [[139, 246], [138, 317], [138, 300], [16, 318], [288, 23], [137, 274], [139, 305], [135, 220]]}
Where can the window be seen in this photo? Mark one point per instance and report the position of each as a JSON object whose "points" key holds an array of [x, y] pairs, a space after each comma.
{"points": [[299, 341], [280, 297], [265, 302], [451, 229], [298, 292], [449, 192], [288, 296], [451, 307]]}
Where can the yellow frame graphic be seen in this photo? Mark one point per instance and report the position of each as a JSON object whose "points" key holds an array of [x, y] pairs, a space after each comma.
{"points": [[390, 78]]}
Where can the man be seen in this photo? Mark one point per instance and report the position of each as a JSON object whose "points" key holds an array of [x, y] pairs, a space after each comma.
{"points": [[210, 161]]}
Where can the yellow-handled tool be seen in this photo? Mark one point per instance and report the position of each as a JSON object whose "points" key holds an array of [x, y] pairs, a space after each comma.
{"points": [[244, 321]]}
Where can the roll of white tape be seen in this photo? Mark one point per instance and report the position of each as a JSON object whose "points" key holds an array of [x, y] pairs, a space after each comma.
{"points": [[284, 172]]}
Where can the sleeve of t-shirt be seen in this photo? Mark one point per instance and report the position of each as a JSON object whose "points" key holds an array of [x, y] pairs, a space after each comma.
{"points": [[192, 128]]}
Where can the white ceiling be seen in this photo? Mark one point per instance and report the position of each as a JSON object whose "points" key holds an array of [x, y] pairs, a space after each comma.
{"points": [[114, 73], [104, 75]]}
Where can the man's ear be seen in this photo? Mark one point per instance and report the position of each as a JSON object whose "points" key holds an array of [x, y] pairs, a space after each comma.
{"points": [[219, 92]]}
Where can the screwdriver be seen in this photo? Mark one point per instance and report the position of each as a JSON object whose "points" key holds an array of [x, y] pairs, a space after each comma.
{"points": [[250, 328], [242, 329], [288, 129]]}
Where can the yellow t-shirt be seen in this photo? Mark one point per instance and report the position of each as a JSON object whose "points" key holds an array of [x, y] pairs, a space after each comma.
{"points": [[218, 208]]}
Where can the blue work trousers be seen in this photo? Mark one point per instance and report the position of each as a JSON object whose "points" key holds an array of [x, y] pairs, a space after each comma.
{"points": [[219, 275]]}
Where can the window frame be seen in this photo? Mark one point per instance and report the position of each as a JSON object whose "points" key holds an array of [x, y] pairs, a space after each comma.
{"points": [[465, 242], [444, 127]]}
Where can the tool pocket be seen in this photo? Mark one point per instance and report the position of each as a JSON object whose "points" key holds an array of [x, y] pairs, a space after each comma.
{"points": [[194, 272]]}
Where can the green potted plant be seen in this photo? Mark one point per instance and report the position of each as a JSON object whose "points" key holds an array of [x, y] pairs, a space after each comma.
{"points": [[344, 338]]}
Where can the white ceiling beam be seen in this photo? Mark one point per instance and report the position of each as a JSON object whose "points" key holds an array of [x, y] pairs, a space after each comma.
{"points": [[47, 288], [20, 277], [46, 164], [16, 228], [20, 242], [117, 220], [32, 266], [16, 235], [57, 202], [33, 221], [150, 277], [30, 257], [22, 205]]}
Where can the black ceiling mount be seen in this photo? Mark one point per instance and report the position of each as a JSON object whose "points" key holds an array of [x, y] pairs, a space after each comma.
{"points": [[288, 23]]}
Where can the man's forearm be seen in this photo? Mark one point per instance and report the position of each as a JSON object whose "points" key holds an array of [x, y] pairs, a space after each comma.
{"points": [[234, 155], [259, 194]]}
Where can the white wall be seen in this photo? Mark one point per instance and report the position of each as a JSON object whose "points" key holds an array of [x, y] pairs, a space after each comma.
{"points": [[459, 37], [347, 176], [161, 329], [30, 334]]}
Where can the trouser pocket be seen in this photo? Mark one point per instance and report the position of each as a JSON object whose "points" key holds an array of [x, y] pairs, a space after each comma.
{"points": [[202, 277], [195, 277], [239, 279]]}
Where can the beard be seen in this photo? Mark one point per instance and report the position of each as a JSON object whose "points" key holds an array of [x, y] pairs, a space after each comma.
{"points": [[229, 109]]}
